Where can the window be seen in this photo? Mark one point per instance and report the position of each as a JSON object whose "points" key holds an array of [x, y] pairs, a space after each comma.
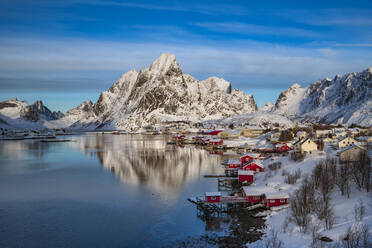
{"points": [[282, 200], [213, 198], [272, 201], [256, 197]]}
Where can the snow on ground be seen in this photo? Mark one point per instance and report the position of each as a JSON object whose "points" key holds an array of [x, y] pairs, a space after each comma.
{"points": [[342, 206]]}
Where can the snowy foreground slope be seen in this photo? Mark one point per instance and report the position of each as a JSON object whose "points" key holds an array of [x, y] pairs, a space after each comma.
{"points": [[19, 114], [159, 94], [343, 100], [343, 207]]}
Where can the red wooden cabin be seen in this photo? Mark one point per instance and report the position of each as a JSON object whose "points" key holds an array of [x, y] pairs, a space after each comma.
{"points": [[245, 176], [214, 132], [275, 199], [216, 142], [213, 197], [253, 196], [249, 157], [283, 147], [254, 166], [233, 163]]}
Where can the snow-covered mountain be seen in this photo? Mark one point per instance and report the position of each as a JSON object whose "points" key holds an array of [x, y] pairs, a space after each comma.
{"points": [[159, 94], [343, 100], [19, 114]]}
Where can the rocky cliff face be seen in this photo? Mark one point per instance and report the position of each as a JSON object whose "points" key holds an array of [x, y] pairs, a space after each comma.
{"points": [[342, 100], [37, 111], [162, 93]]}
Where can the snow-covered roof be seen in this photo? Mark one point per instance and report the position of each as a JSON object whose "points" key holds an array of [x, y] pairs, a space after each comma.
{"points": [[233, 161], [253, 155], [212, 193], [352, 146], [277, 196], [257, 163], [245, 172], [256, 191]]}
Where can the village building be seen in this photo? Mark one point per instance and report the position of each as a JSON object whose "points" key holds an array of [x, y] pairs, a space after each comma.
{"points": [[252, 131], [245, 158], [245, 176], [305, 146], [215, 142], [256, 194], [282, 147], [276, 199], [232, 163], [323, 133], [254, 166], [351, 153], [229, 134], [346, 141], [212, 197]]}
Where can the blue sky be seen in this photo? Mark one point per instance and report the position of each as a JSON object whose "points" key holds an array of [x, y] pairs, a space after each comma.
{"points": [[65, 52]]}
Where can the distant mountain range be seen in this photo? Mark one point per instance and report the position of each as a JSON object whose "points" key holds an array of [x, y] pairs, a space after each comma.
{"points": [[342, 100], [162, 93], [19, 114]]}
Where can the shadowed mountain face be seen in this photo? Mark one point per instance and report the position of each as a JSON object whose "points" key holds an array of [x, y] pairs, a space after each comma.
{"points": [[159, 94], [147, 160], [343, 100]]}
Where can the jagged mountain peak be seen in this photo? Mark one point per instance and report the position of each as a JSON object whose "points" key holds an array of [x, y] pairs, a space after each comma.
{"points": [[218, 83], [160, 94], [296, 86], [166, 63]]}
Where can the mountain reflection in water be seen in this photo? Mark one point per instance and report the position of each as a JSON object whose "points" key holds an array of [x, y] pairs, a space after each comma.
{"points": [[148, 160]]}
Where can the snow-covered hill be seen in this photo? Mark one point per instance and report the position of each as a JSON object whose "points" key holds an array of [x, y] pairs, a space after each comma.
{"points": [[19, 114], [343, 100], [159, 94]]}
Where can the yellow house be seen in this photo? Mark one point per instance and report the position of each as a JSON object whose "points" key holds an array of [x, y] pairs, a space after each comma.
{"points": [[252, 132], [305, 146], [322, 133], [229, 134], [346, 141]]}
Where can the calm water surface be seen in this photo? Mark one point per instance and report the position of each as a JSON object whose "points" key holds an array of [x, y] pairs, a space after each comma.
{"points": [[104, 191]]}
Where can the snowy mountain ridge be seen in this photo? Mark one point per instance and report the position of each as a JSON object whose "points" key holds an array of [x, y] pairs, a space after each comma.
{"points": [[19, 114], [160, 94], [345, 99]]}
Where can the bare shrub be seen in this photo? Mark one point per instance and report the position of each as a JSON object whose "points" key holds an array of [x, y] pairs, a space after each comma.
{"points": [[302, 204], [342, 179], [285, 172], [361, 172], [273, 240], [356, 236], [275, 166], [297, 156], [292, 178], [359, 211]]}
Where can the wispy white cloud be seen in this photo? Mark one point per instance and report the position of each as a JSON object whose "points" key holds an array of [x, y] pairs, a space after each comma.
{"points": [[247, 28], [353, 45], [346, 17], [238, 58]]}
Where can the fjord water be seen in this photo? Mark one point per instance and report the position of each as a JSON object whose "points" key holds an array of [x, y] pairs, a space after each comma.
{"points": [[102, 190]]}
